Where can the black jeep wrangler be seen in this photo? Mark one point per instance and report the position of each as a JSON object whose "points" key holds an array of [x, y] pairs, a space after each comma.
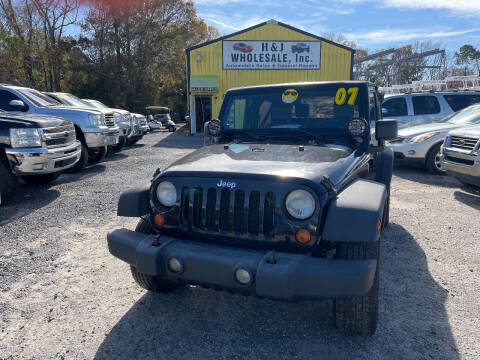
{"points": [[289, 202]]}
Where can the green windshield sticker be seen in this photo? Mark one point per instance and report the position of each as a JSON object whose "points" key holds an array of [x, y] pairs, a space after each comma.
{"points": [[238, 148], [289, 96]]}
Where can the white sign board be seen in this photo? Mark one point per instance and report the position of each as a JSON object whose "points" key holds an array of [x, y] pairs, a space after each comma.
{"points": [[271, 55]]}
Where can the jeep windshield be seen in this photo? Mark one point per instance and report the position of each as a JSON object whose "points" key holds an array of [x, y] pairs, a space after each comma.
{"points": [[318, 111]]}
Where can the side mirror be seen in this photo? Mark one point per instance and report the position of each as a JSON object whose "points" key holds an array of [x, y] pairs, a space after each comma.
{"points": [[17, 105], [214, 128], [386, 130], [384, 112]]}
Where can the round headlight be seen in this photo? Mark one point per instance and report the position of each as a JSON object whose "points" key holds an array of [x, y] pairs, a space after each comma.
{"points": [[166, 193], [357, 127], [300, 204]]}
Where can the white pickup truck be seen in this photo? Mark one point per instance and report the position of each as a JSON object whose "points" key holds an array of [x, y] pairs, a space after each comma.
{"points": [[90, 126]]}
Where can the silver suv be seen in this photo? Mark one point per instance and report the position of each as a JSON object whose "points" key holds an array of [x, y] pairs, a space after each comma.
{"points": [[461, 154], [91, 129], [423, 108]]}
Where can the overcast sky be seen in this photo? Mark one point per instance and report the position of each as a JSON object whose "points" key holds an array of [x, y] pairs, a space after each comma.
{"points": [[372, 24]]}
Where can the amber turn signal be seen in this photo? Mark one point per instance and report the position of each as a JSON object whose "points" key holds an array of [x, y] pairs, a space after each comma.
{"points": [[159, 220], [303, 236]]}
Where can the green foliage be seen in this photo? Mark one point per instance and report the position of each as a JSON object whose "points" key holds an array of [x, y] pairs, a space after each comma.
{"points": [[129, 56]]}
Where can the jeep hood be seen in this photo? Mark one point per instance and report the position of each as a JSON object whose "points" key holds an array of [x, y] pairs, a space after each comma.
{"points": [[306, 162], [426, 128]]}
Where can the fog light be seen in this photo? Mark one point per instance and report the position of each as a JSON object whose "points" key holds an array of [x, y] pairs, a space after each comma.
{"points": [[303, 236], [175, 265], [243, 276], [41, 166], [159, 220]]}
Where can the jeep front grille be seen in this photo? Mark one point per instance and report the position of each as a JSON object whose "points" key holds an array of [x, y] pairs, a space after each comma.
{"points": [[109, 120], [61, 135], [464, 143], [226, 211]]}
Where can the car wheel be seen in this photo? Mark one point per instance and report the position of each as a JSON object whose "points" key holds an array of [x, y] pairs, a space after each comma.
{"points": [[8, 183], [96, 155], [171, 128], [122, 142], [358, 315], [80, 164], [41, 179], [150, 282], [433, 163]]}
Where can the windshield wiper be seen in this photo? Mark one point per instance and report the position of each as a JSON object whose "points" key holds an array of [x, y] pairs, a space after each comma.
{"points": [[309, 133], [247, 132]]}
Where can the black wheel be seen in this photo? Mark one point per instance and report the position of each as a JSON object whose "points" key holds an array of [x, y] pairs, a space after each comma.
{"points": [[149, 282], [41, 179], [122, 142], [171, 128], [80, 165], [386, 213], [96, 155], [8, 183], [358, 315], [433, 163]]}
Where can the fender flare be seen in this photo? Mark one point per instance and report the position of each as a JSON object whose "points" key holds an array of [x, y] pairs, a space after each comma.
{"points": [[384, 167], [354, 215], [134, 203]]}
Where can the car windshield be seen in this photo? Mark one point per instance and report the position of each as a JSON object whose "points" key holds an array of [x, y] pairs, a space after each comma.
{"points": [[468, 116], [323, 110], [37, 98], [72, 100], [97, 104]]}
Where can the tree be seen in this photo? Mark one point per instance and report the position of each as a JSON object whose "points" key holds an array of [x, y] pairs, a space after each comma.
{"points": [[469, 57]]}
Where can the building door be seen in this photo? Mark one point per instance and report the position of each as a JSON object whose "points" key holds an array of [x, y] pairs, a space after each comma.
{"points": [[203, 111]]}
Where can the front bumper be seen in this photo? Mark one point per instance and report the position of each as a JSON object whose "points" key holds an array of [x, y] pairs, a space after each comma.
{"points": [[462, 165], [410, 153], [42, 160], [104, 137], [291, 277]]}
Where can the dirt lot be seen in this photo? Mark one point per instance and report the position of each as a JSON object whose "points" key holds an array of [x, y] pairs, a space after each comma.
{"points": [[63, 296]]}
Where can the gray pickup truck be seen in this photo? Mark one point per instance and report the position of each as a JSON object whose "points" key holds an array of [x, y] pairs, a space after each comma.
{"points": [[91, 128], [36, 148]]}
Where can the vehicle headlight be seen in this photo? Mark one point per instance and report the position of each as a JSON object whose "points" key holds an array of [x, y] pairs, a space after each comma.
{"points": [[25, 138], [95, 119], [423, 137], [166, 193], [300, 204], [117, 117]]}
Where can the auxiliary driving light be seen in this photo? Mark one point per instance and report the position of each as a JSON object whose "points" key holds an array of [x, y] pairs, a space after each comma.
{"points": [[243, 276], [175, 265]]}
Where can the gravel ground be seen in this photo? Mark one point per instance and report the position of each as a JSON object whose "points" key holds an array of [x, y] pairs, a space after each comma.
{"points": [[63, 296]]}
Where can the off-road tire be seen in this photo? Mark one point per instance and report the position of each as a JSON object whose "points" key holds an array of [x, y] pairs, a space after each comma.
{"points": [[120, 145], [432, 161], [386, 213], [41, 179], [8, 183], [358, 315], [80, 165], [97, 155], [150, 282]]}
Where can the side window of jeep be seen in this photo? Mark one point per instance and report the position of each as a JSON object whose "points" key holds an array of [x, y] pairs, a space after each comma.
{"points": [[5, 98]]}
